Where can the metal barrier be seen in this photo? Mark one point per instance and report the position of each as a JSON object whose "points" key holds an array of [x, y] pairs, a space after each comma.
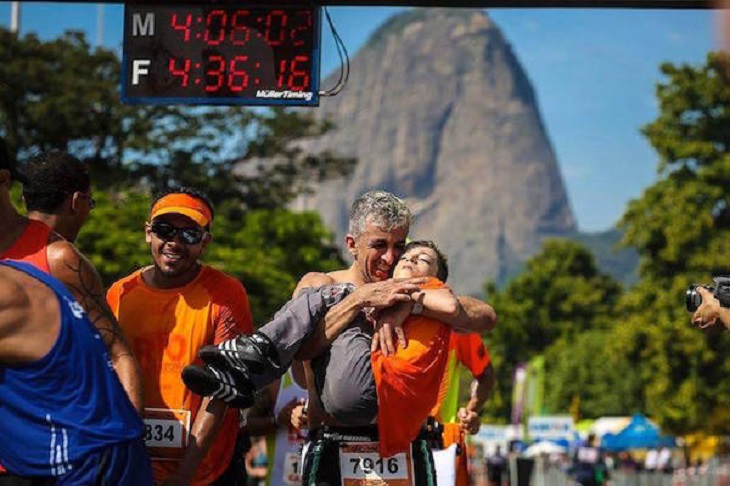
{"points": [[715, 473]]}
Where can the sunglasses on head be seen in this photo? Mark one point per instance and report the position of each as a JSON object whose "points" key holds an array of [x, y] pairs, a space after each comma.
{"points": [[167, 232]]}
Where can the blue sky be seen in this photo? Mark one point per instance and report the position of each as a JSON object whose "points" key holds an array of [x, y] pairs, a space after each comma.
{"points": [[594, 72]]}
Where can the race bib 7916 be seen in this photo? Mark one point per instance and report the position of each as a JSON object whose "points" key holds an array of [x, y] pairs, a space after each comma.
{"points": [[361, 465]]}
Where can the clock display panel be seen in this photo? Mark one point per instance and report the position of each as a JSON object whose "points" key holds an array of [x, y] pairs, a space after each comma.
{"points": [[221, 54]]}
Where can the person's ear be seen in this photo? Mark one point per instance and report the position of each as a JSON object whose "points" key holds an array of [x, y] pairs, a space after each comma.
{"points": [[75, 201], [148, 233], [207, 239], [351, 245]]}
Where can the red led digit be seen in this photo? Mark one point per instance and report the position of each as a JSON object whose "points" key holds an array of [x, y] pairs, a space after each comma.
{"points": [[185, 26], [239, 30], [282, 75], [216, 18], [275, 32], [237, 77], [184, 73], [299, 78], [298, 34], [214, 72]]}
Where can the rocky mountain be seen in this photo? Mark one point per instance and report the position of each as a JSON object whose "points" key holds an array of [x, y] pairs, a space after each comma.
{"points": [[439, 111]]}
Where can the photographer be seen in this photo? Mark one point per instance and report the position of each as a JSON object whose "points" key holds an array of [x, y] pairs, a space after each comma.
{"points": [[710, 314]]}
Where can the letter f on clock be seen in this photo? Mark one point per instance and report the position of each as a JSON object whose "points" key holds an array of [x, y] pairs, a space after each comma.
{"points": [[139, 68]]}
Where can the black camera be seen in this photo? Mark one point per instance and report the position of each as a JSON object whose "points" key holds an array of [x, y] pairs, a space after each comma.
{"points": [[721, 291]]}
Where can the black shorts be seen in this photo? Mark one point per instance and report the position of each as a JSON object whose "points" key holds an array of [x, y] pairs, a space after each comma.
{"points": [[322, 462]]}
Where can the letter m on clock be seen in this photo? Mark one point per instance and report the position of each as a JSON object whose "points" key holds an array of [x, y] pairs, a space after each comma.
{"points": [[143, 25]]}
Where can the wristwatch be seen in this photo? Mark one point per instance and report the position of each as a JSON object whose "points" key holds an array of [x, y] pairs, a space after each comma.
{"points": [[418, 305]]}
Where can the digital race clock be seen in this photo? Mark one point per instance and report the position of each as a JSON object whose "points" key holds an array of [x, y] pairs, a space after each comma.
{"points": [[221, 54]]}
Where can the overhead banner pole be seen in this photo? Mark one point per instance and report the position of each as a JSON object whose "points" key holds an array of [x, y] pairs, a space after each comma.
{"points": [[14, 17]]}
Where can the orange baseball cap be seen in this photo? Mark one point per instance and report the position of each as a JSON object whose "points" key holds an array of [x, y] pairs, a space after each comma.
{"points": [[184, 204]]}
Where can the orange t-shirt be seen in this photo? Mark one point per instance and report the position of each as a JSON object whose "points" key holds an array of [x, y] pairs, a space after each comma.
{"points": [[408, 382], [469, 350], [31, 246], [166, 328]]}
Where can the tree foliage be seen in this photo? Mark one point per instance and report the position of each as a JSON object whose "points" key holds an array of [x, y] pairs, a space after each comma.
{"points": [[609, 353], [559, 295], [688, 209], [61, 94], [681, 228]]}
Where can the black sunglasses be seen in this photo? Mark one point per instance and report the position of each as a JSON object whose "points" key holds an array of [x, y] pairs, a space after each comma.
{"points": [[167, 232]]}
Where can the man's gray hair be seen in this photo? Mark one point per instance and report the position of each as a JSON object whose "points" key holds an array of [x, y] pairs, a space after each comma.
{"points": [[386, 210]]}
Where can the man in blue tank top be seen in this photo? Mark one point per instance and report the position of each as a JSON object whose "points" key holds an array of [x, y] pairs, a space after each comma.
{"points": [[63, 412]]}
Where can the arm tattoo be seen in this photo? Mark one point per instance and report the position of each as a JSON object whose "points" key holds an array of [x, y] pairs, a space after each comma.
{"points": [[89, 293]]}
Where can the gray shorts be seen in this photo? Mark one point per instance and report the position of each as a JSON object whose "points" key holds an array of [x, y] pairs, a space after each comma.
{"points": [[344, 377], [343, 374]]}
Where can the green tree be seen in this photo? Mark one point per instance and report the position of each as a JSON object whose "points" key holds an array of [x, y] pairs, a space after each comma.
{"points": [[559, 295], [586, 369], [63, 95], [680, 227], [269, 250], [265, 170], [113, 236]]}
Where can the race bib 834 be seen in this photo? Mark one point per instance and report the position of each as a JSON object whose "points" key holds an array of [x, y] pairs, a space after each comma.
{"points": [[167, 429]]}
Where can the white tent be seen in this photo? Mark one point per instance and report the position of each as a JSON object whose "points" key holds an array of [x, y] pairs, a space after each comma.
{"points": [[606, 425], [544, 447]]}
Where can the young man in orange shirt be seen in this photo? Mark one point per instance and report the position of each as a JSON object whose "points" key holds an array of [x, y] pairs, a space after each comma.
{"points": [[169, 310]]}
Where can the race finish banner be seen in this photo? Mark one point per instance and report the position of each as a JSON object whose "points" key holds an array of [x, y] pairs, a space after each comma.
{"points": [[643, 4], [224, 54]]}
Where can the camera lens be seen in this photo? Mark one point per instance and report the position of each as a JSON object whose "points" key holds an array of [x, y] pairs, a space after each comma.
{"points": [[692, 299]]}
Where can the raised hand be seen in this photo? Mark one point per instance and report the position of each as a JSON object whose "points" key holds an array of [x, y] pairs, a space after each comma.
{"points": [[384, 294], [468, 421], [390, 322]]}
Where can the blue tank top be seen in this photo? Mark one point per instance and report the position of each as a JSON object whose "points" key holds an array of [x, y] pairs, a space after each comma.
{"points": [[57, 410]]}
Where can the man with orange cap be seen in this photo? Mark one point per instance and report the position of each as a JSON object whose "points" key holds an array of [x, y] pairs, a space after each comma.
{"points": [[169, 310]]}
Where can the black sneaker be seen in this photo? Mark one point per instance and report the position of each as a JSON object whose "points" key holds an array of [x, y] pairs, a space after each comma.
{"points": [[247, 354], [229, 387]]}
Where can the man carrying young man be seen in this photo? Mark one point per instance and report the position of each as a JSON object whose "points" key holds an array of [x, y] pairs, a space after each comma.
{"points": [[344, 376], [169, 310]]}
